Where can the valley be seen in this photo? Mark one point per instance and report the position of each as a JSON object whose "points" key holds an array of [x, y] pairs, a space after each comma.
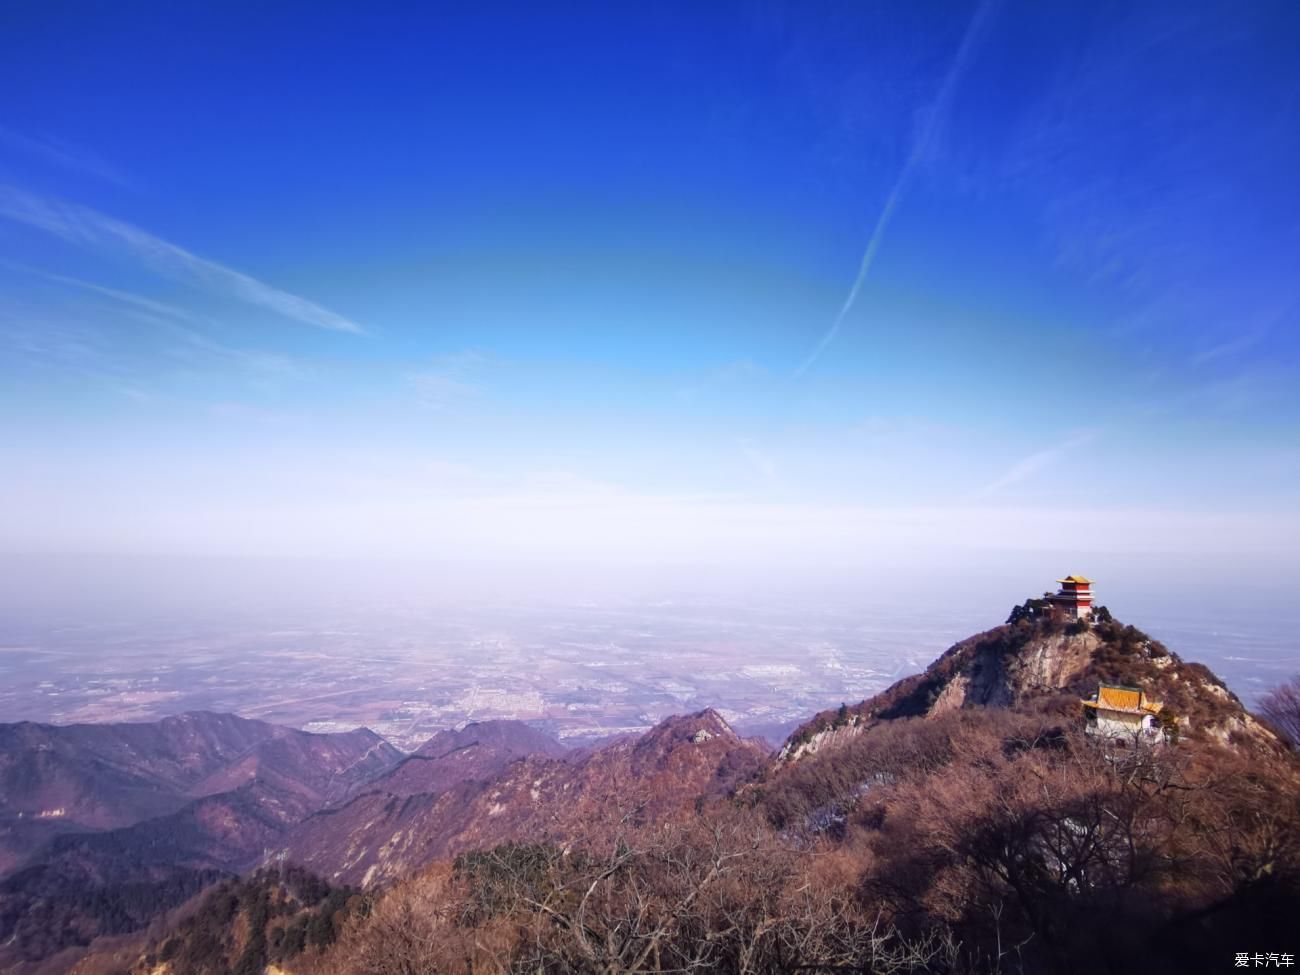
{"points": [[578, 673], [581, 673]]}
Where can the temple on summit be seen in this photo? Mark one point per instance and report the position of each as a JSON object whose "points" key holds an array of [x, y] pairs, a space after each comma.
{"points": [[1075, 597]]}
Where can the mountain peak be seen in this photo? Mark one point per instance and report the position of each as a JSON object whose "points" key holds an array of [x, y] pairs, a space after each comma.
{"points": [[708, 721], [504, 736], [1044, 661], [394, 828], [701, 728]]}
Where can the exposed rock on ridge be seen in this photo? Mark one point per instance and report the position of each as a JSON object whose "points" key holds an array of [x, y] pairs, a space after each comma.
{"points": [[1029, 662]]}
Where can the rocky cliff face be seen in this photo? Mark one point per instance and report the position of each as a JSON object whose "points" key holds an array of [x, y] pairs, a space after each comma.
{"points": [[1031, 662], [993, 677]]}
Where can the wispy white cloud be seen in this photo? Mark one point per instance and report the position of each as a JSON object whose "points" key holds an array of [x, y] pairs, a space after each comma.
{"points": [[89, 228], [728, 375], [179, 322], [899, 425], [448, 380], [921, 149], [63, 156], [1233, 346], [125, 297], [255, 414], [61, 347], [1141, 167], [136, 395], [758, 458], [437, 391], [1037, 461], [266, 365]]}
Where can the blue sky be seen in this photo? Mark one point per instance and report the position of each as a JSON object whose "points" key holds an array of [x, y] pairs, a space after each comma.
{"points": [[816, 283]]}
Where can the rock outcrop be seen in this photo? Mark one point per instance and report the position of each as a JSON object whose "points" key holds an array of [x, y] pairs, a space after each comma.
{"points": [[1035, 663]]}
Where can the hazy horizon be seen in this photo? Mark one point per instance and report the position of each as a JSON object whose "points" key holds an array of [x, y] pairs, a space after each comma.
{"points": [[407, 648]]}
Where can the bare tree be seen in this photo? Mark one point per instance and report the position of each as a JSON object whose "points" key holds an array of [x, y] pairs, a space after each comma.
{"points": [[1282, 708], [717, 892], [408, 931]]}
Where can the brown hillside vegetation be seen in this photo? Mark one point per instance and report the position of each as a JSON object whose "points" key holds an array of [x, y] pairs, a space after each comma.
{"points": [[977, 842]]}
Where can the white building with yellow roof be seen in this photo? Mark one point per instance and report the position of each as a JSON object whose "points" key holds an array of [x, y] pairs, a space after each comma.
{"points": [[1117, 711]]}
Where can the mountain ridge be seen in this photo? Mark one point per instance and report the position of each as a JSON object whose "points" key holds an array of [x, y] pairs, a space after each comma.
{"points": [[217, 791], [1037, 657], [475, 751], [378, 836]]}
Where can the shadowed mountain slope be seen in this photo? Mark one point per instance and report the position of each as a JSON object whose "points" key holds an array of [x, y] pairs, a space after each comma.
{"points": [[102, 776], [478, 751], [229, 790], [380, 836]]}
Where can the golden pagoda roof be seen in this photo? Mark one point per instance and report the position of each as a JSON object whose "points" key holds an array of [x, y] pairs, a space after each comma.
{"points": [[1119, 698], [1116, 697], [1077, 580]]}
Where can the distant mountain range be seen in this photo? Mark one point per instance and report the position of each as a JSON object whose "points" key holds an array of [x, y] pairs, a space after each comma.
{"points": [[105, 828], [498, 792], [474, 753], [76, 778]]}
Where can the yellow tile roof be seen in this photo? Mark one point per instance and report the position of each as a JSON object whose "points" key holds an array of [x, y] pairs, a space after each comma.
{"points": [[1077, 580], [1128, 699], [1119, 698]]}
